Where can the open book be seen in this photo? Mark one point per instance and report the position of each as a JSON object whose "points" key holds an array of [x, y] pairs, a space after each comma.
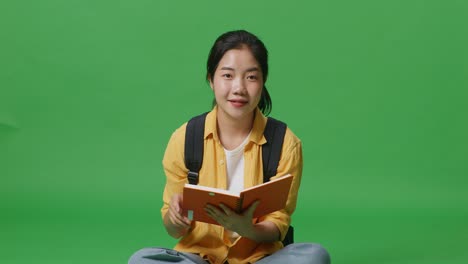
{"points": [[272, 195]]}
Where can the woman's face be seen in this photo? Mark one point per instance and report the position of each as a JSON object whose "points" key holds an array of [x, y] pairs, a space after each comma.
{"points": [[237, 84]]}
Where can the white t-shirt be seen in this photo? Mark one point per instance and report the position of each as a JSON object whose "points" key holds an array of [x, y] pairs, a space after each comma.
{"points": [[235, 167], [235, 173]]}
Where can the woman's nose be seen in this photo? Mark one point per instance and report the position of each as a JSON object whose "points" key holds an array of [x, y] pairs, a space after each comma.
{"points": [[238, 86]]}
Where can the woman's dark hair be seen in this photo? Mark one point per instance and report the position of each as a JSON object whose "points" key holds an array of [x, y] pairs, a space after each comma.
{"points": [[235, 40]]}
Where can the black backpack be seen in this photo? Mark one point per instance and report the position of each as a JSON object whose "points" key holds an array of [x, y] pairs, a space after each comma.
{"points": [[271, 152]]}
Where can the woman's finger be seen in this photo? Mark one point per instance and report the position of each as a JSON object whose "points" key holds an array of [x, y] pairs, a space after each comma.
{"points": [[178, 219], [226, 209]]}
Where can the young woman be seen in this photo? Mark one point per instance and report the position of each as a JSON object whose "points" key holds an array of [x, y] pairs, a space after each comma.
{"points": [[237, 70]]}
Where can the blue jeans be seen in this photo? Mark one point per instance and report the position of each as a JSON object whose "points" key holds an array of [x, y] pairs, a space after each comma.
{"points": [[297, 253]]}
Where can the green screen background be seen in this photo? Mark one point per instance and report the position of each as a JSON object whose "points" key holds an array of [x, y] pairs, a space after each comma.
{"points": [[90, 92]]}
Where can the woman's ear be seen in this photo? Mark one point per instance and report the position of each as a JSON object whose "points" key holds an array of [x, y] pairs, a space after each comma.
{"points": [[210, 81]]}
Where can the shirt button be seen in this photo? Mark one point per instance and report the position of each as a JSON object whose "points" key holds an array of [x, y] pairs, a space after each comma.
{"points": [[221, 162]]}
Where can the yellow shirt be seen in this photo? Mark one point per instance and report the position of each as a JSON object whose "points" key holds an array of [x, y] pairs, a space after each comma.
{"points": [[210, 241]]}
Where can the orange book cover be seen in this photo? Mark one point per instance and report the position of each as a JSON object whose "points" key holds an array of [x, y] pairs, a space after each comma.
{"points": [[272, 195]]}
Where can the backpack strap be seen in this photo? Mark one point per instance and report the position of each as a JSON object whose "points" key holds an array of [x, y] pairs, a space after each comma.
{"points": [[194, 141], [271, 153], [271, 150]]}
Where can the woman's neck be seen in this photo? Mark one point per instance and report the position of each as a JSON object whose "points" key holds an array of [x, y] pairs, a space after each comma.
{"points": [[232, 132]]}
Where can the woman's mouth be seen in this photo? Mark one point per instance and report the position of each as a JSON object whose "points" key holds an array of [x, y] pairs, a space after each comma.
{"points": [[238, 103]]}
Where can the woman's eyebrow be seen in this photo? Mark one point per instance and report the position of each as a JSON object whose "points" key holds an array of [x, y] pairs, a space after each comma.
{"points": [[232, 69], [252, 69]]}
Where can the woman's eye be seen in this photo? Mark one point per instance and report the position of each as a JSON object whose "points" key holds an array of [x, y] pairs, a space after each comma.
{"points": [[252, 77], [227, 75]]}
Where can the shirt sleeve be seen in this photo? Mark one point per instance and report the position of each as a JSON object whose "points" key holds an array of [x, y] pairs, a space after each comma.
{"points": [[290, 163], [174, 167]]}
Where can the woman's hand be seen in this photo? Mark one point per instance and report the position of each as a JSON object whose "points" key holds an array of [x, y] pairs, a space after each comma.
{"points": [[239, 223], [264, 231], [176, 224]]}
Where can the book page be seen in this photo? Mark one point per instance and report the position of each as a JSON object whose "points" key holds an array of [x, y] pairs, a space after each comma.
{"points": [[211, 189]]}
